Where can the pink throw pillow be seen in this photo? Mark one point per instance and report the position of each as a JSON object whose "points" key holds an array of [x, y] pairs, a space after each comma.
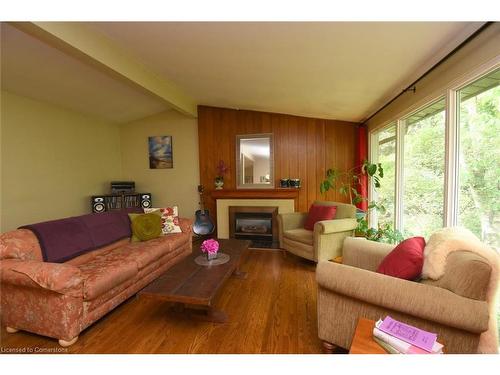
{"points": [[406, 260], [319, 213]]}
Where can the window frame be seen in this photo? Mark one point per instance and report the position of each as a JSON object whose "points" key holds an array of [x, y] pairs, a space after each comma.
{"points": [[452, 144], [373, 153]]}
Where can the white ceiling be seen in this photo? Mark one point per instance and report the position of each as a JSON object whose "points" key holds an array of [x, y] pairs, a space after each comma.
{"points": [[338, 70], [34, 69]]}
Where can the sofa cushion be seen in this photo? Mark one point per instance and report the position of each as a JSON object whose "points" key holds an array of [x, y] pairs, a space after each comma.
{"points": [[144, 253], [87, 257], [319, 213], [177, 239], [300, 234], [406, 260], [105, 272]]}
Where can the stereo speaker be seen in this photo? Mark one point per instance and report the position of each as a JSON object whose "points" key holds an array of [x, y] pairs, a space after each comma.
{"points": [[146, 200], [98, 205]]}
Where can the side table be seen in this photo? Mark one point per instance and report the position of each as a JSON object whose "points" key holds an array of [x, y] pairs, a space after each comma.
{"points": [[363, 342]]}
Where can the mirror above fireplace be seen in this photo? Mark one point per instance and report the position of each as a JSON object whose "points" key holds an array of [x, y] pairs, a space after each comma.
{"points": [[254, 161]]}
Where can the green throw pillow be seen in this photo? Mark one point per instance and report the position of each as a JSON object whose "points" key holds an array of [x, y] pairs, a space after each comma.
{"points": [[145, 226]]}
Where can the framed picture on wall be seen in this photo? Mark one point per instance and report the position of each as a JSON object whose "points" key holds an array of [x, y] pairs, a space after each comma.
{"points": [[160, 152]]}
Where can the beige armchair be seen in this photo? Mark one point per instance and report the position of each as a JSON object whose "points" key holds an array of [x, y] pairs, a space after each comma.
{"points": [[453, 306], [325, 241]]}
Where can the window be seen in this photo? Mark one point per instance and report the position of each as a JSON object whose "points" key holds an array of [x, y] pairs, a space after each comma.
{"points": [[423, 170], [386, 155], [431, 180], [479, 158]]}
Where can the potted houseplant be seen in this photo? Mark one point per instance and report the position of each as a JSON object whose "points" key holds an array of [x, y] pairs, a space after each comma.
{"points": [[346, 183], [222, 169]]}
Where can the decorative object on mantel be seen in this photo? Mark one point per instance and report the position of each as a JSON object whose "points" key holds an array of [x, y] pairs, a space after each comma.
{"points": [[294, 183], [210, 248], [222, 169], [284, 183]]}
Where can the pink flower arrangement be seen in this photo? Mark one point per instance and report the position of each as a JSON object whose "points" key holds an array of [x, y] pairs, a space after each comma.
{"points": [[210, 246], [222, 169]]}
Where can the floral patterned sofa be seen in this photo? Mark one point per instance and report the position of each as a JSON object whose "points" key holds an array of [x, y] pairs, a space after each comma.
{"points": [[60, 300]]}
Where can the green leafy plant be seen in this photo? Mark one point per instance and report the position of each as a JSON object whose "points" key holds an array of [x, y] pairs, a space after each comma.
{"points": [[347, 183]]}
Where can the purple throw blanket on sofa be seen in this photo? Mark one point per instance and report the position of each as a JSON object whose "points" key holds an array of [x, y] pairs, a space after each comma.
{"points": [[64, 239]]}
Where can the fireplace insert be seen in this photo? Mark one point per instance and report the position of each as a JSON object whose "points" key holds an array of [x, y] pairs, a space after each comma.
{"points": [[255, 225]]}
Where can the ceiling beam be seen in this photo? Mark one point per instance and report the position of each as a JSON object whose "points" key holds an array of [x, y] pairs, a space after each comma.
{"points": [[85, 44]]}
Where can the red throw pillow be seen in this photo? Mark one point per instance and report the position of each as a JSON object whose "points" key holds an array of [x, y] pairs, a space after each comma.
{"points": [[406, 260], [318, 213]]}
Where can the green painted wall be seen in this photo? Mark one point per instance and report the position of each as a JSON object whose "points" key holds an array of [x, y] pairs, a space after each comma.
{"points": [[52, 160], [176, 186]]}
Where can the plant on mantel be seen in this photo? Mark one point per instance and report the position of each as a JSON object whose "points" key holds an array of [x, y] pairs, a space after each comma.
{"points": [[346, 183], [222, 169]]}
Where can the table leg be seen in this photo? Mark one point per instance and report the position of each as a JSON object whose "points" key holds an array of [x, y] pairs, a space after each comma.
{"points": [[209, 315]]}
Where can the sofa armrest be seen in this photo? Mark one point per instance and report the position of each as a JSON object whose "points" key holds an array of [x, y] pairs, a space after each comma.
{"points": [[329, 237], [362, 253], [292, 220], [335, 226], [58, 277], [420, 300], [186, 225]]}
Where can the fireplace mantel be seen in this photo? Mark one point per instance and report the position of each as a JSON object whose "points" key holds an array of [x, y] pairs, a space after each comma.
{"points": [[256, 194], [284, 199]]}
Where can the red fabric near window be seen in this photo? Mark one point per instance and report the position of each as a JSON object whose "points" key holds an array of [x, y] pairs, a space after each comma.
{"points": [[361, 155], [319, 213], [406, 260]]}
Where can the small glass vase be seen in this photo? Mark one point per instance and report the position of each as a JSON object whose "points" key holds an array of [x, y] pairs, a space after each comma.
{"points": [[211, 256]]}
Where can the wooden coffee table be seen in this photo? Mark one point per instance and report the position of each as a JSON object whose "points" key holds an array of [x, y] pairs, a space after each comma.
{"points": [[189, 284]]}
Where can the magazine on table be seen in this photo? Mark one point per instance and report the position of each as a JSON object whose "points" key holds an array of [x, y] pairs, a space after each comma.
{"points": [[405, 338]]}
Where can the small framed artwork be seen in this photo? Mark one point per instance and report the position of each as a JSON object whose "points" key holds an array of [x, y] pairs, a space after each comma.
{"points": [[160, 152]]}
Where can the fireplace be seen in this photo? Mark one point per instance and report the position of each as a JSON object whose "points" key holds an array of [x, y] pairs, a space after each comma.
{"points": [[257, 224]]}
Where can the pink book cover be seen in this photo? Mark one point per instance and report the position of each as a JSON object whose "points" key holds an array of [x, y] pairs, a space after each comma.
{"points": [[409, 334]]}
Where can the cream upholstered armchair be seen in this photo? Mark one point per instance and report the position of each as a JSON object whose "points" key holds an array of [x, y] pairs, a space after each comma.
{"points": [[454, 306], [325, 241]]}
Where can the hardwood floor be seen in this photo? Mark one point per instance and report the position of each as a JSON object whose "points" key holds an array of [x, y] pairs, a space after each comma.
{"points": [[272, 311]]}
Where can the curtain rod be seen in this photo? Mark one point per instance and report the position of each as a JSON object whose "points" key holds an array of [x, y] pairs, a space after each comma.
{"points": [[451, 53]]}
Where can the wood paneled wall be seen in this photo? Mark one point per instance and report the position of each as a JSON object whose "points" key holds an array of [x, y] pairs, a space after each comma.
{"points": [[303, 148]]}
